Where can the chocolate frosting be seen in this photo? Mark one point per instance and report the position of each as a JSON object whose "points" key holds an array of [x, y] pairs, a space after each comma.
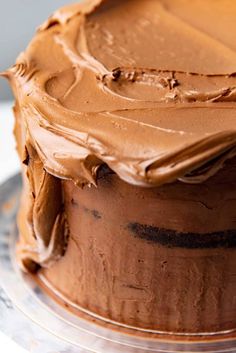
{"points": [[147, 87]]}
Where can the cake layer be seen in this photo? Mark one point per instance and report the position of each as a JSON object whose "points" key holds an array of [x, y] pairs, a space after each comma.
{"points": [[160, 259]]}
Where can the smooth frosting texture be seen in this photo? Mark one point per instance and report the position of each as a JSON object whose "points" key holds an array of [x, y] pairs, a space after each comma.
{"points": [[146, 87]]}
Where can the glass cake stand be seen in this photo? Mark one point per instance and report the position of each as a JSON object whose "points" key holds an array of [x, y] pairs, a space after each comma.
{"points": [[39, 324]]}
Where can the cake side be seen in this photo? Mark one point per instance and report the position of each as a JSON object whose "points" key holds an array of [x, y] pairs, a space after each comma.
{"points": [[157, 259]]}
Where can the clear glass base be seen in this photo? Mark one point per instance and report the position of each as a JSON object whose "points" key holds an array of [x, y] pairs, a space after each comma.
{"points": [[51, 327]]}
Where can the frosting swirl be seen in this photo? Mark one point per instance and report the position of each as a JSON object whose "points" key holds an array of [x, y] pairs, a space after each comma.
{"points": [[146, 87]]}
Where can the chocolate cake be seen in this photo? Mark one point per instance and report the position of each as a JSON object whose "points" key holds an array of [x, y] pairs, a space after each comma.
{"points": [[126, 129]]}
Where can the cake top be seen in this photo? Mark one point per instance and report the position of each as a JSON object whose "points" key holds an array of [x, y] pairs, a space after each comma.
{"points": [[147, 87]]}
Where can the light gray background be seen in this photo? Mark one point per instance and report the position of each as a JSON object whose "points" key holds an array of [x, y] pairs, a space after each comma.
{"points": [[18, 22]]}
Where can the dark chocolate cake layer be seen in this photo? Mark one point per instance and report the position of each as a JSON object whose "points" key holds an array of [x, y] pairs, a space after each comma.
{"points": [[122, 262]]}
